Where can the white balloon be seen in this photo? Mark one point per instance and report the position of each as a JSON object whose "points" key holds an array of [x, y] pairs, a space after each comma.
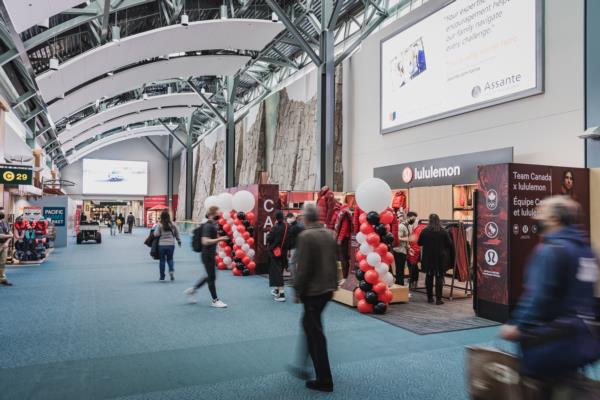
{"points": [[227, 260], [211, 201], [361, 237], [374, 259], [250, 253], [388, 279], [243, 201], [382, 269], [240, 241], [366, 248], [373, 195], [246, 247], [225, 200]]}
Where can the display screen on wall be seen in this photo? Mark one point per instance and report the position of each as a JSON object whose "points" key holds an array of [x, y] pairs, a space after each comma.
{"points": [[465, 56], [115, 177]]}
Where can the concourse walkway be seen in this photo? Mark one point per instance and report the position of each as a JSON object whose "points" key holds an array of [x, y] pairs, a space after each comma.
{"points": [[94, 322]]}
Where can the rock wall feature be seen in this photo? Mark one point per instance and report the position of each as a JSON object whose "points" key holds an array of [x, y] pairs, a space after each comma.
{"points": [[250, 146], [338, 170], [181, 189], [211, 173], [294, 148]]}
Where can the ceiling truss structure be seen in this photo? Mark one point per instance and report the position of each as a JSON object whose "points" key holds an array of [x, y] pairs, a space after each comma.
{"points": [[77, 30]]}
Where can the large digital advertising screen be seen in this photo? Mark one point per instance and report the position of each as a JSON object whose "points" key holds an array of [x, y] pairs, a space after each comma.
{"points": [[466, 55], [115, 177]]}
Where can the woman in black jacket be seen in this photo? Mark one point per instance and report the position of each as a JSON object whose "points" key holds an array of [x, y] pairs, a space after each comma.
{"points": [[278, 238], [436, 255]]}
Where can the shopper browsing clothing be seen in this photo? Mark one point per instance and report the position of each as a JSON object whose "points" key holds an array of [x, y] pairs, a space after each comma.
{"points": [[5, 238], [278, 245], [554, 318], [343, 232], [315, 282], [295, 228], [210, 239], [167, 234], [402, 250], [436, 257], [130, 222]]}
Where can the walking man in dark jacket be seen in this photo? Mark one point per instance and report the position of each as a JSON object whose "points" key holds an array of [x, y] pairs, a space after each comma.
{"points": [[315, 282], [130, 222], [552, 318]]}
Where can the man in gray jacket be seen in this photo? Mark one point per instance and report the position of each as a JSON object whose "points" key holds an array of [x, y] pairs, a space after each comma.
{"points": [[315, 282]]}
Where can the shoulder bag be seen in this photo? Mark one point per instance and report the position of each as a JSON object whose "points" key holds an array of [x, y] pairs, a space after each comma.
{"points": [[277, 250]]}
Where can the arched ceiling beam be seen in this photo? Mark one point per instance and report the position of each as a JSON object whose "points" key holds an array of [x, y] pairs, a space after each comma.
{"points": [[231, 34], [135, 118], [135, 77], [154, 102], [25, 14]]}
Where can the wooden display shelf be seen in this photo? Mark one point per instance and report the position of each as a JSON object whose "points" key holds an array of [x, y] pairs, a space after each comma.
{"points": [[346, 296]]}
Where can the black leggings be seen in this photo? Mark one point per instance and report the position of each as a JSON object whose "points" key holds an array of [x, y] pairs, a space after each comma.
{"points": [[400, 261], [211, 276], [439, 284]]}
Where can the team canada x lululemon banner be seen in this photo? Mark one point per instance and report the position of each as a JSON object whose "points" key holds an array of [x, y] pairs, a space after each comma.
{"points": [[506, 230], [374, 256]]}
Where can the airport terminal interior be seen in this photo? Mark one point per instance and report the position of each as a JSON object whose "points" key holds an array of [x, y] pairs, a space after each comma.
{"points": [[276, 199]]}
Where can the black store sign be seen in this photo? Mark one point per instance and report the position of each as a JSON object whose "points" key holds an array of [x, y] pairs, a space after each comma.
{"points": [[16, 174], [455, 170]]}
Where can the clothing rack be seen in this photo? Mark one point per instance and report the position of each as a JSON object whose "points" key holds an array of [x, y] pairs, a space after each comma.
{"points": [[468, 288]]}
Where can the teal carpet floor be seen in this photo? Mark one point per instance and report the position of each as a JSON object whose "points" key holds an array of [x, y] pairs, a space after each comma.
{"points": [[93, 322]]}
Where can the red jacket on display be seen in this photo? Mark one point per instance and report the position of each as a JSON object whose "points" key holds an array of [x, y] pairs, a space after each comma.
{"points": [[416, 256], [399, 201], [325, 205], [343, 223], [355, 221]]}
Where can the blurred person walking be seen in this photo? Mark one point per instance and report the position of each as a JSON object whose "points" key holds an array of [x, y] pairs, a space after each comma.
{"points": [[553, 319], [278, 245], [209, 239], [113, 224], [296, 227], [5, 238], [130, 222], [167, 234], [315, 282], [436, 256], [120, 222]]}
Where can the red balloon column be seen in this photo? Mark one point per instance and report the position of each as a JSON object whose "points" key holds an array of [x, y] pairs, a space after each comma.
{"points": [[373, 256], [243, 243]]}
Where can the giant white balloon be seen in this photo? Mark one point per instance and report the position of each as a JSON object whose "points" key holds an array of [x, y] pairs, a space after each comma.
{"points": [[373, 195], [211, 201], [361, 238], [243, 201], [374, 259], [224, 201]]}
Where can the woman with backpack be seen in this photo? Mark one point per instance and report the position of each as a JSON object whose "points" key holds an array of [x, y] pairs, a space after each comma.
{"points": [[167, 234]]}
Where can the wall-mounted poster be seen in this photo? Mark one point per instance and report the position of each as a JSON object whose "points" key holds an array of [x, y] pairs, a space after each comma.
{"points": [[464, 56]]}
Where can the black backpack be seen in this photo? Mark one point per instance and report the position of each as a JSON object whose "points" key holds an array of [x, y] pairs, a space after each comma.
{"points": [[197, 239]]}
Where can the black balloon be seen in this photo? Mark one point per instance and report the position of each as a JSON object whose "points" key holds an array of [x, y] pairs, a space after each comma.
{"points": [[388, 238], [245, 272], [250, 231], [373, 218], [246, 223], [360, 275], [380, 230], [365, 286], [241, 215], [371, 297], [380, 308]]}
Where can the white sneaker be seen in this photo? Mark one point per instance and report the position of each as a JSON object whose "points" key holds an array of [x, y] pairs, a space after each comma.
{"points": [[274, 292], [191, 292], [280, 297], [218, 304]]}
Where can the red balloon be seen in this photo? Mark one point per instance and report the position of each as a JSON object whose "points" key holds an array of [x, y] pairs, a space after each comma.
{"points": [[232, 214], [360, 256], [362, 218], [389, 258], [221, 265], [241, 228], [240, 254], [359, 294], [371, 276], [250, 216], [250, 242], [366, 229], [246, 235], [251, 265], [373, 239], [364, 307], [236, 272], [222, 221], [236, 247], [227, 250], [380, 288], [233, 265], [222, 244], [382, 250], [227, 228], [386, 217], [246, 260], [364, 266], [388, 296]]}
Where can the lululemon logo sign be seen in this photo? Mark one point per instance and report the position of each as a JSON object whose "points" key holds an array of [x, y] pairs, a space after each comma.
{"points": [[491, 230], [492, 199], [491, 257], [407, 175]]}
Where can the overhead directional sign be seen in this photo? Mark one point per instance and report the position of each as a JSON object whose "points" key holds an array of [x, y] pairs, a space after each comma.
{"points": [[15, 174]]}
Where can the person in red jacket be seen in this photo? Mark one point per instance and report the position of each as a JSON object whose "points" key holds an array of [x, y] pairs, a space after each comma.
{"points": [[343, 231], [325, 205]]}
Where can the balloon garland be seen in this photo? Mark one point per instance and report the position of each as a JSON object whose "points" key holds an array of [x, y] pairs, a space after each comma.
{"points": [[238, 252], [373, 256]]}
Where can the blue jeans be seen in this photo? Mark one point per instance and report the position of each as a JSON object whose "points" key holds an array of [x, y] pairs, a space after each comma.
{"points": [[165, 252]]}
